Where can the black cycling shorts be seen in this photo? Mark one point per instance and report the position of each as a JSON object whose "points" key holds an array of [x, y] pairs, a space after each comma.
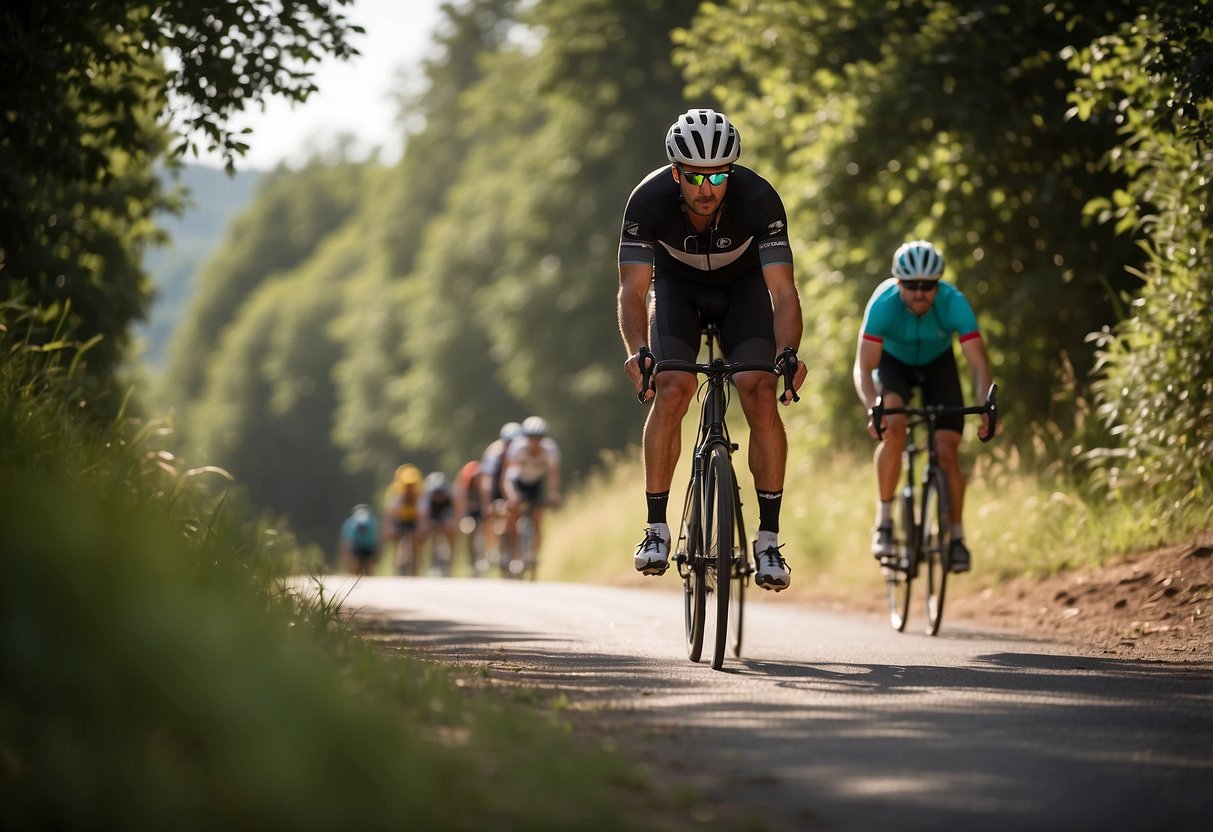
{"points": [[742, 309], [939, 382], [530, 492]]}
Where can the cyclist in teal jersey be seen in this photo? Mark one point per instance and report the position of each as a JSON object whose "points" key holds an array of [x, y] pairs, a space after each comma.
{"points": [[905, 341]]}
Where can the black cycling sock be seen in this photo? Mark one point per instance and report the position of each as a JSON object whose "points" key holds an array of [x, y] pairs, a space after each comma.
{"points": [[657, 504], [769, 503]]}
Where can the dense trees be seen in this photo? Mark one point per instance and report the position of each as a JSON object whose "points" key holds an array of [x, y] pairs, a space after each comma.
{"points": [[1153, 78], [359, 316], [94, 94]]}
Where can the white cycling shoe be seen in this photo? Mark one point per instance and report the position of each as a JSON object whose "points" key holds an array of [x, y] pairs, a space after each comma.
{"points": [[653, 553], [773, 571]]}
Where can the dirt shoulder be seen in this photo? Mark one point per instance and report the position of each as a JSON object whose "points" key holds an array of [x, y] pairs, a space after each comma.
{"points": [[1155, 605]]}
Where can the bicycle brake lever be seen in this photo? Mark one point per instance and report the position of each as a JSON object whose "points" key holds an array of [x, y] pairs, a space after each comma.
{"points": [[645, 360], [992, 411], [788, 364], [876, 412]]}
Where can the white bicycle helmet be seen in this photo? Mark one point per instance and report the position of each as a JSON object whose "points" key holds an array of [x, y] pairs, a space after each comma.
{"points": [[510, 430], [534, 426], [704, 138], [917, 260]]}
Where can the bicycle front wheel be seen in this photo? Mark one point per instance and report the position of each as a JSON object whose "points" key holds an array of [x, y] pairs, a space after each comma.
{"points": [[936, 540], [741, 576], [719, 533], [898, 579], [691, 567]]}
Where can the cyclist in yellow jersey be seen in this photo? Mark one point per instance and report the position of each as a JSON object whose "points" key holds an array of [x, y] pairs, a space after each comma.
{"points": [[402, 512]]}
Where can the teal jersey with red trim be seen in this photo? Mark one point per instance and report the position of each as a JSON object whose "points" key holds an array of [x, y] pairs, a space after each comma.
{"points": [[915, 340]]}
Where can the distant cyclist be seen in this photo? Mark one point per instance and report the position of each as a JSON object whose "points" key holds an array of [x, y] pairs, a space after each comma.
{"points": [[402, 513], [532, 475], [710, 238], [905, 341], [492, 493], [469, 514], [360, 540], [437, 521]]}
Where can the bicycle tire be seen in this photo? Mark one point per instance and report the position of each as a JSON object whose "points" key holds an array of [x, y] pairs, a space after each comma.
{"points": [[720, 531], [899, 581], [936, 539], [691, 567], [741, 576]]}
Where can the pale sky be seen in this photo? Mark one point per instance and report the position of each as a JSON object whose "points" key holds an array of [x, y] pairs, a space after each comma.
{"points": [[355, 96]]}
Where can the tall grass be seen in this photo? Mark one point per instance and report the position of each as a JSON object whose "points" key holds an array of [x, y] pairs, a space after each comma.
{"points": [[1017, 520]]}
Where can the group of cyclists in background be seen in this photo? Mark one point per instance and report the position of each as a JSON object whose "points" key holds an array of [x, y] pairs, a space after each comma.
{"points": [[492, 511]]}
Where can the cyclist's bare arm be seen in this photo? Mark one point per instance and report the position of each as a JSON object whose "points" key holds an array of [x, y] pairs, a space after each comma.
{"points": [[633, 312], [789, 323], [974, 350], [867, 358]]}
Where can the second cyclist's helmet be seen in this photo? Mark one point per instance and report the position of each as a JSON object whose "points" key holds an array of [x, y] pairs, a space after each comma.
{"points": [[535, 426], [509, 431], [917, 260], [704, 138]]}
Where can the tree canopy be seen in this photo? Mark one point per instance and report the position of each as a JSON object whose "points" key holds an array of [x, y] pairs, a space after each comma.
{"points": [[95, 94]]}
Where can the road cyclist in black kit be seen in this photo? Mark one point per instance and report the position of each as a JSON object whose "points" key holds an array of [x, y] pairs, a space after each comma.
{"points": [[710, 239]]}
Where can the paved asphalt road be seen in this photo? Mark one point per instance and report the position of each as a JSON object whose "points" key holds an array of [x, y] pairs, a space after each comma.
{"points": [[834, 721]]}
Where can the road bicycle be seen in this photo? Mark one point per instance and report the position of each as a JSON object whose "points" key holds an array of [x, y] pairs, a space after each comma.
{"points": [[712, 553], [924, 533]]}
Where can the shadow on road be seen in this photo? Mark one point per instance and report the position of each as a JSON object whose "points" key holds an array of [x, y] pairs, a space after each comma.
{"points": [[1007, 741]]}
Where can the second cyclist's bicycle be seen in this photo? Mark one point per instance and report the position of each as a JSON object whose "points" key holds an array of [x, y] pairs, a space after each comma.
{"points": [[712, 553], [924, 532]]}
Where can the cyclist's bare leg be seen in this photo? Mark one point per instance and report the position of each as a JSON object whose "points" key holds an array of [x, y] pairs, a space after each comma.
{"points": [[768, 440], [494, 531], [947, 443], [889, 451], [663, 429]]}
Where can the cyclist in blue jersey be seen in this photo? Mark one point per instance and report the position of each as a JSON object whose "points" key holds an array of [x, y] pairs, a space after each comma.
{"points": [[710, 239], [905, 341]]}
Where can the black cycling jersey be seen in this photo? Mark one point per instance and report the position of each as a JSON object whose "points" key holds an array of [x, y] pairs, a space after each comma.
{"points": [[748, 232], [715, 275]]}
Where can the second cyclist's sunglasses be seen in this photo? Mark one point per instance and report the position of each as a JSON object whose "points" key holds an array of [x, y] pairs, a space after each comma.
{"points": [[696, 179], [920, 285]]}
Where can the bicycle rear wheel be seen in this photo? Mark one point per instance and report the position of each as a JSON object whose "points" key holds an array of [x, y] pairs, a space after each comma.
{"points": [[936, 539], [719, 532], [691, 567]]}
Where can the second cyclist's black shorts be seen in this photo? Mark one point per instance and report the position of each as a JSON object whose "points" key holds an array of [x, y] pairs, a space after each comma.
{"points": [[741, 308], [939, 382]]}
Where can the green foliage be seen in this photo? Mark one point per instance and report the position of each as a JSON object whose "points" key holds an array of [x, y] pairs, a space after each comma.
{"points": [[500, 245], [881, 122], [290, 217], [91, 91], [531, 281], [1156, 390], [268, 407]]}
